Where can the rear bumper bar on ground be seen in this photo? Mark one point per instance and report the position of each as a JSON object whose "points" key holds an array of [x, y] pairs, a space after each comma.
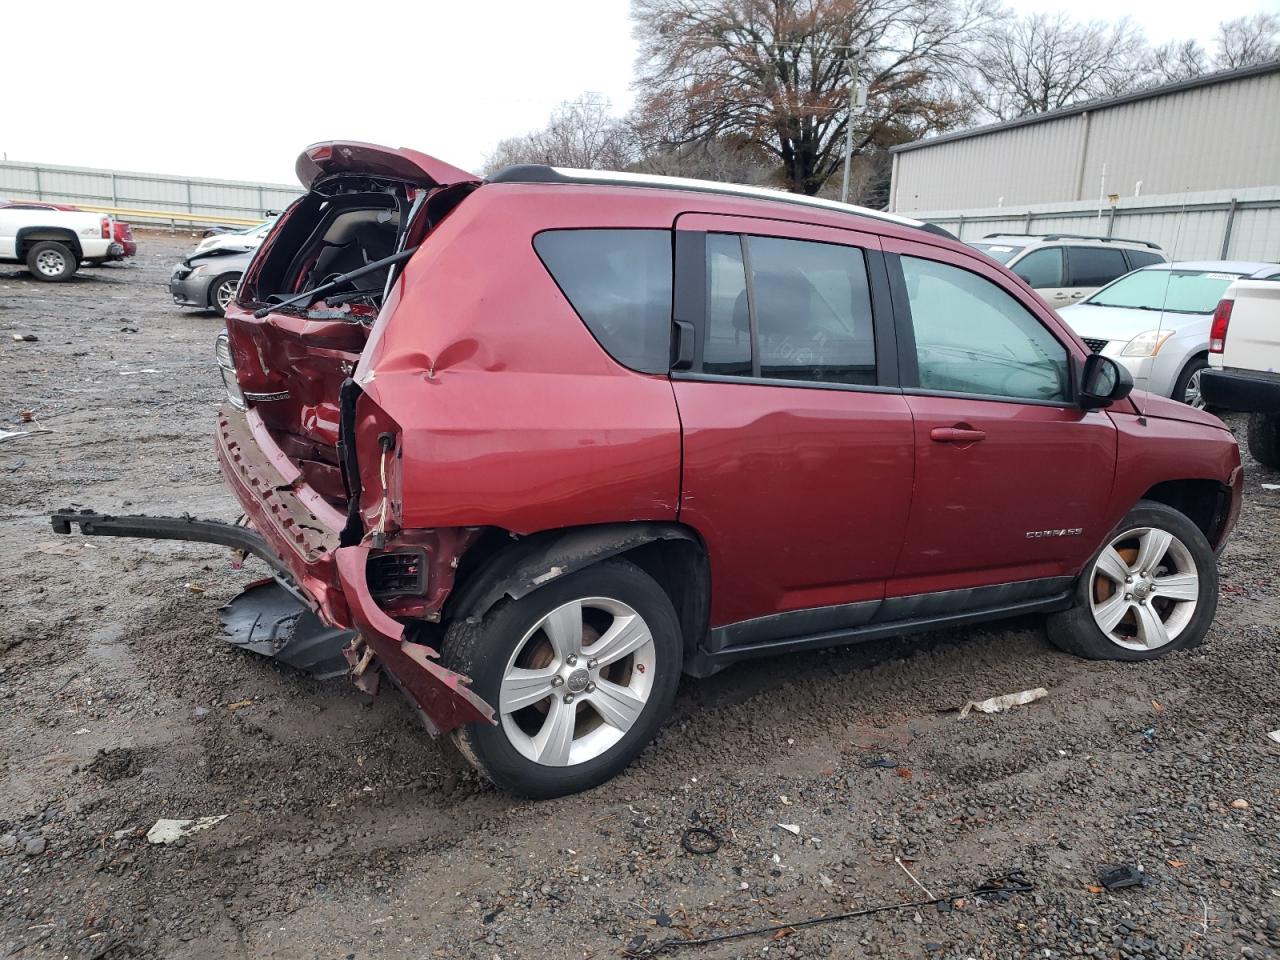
{"points": [[296, 532]]}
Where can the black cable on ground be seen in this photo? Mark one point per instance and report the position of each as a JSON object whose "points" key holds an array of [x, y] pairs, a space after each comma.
{"points": [[1001, 887]]}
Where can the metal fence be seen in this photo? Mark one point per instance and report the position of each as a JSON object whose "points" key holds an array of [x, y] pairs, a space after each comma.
{"points": [[143, 192], [1213, 225]]}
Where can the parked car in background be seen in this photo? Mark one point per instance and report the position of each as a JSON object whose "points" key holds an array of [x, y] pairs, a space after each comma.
{"points": [[608, 428], [1156, 321], [246, 238], [53, 242], [1065, 268], [1244, 362], [122, 232], [208, 280]]}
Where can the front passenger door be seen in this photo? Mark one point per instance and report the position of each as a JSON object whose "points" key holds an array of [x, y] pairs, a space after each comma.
{"points": [[1012, 477]]}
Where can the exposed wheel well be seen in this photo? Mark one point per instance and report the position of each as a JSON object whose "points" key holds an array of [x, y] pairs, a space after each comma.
{"points": [[1204, 502], [499, 566], [30, 237]]}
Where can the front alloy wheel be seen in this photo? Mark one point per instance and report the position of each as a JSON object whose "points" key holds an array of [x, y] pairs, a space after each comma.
{"points": [[1145, 589], [1151, 589], [580, 673]]}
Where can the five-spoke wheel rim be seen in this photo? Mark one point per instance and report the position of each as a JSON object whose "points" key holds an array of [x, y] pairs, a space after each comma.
{"points": [[50, 262], [1192, 395], [1144, 588], [226, 290], [577, 681]]}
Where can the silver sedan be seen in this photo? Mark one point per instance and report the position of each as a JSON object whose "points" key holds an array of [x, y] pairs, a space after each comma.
{"points": [[209, 281]]}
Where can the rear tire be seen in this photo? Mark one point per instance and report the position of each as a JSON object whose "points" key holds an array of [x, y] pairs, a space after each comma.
{"points": [[1264, 439], [1151, 589], [581, 674], [1187, 387], [51, 261]]}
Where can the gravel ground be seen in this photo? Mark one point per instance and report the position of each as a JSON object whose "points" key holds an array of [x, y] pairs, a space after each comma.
{"points": [[348, 833]]}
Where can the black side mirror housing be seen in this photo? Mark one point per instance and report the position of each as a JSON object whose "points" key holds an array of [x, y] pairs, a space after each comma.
{"points": [[1103, 382]]}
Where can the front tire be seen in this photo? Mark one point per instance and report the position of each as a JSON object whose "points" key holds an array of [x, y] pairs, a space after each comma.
{"points": [[581, 674], [1152, 589], [222, 291], [1187, 387], [1264, 439], [52, 261]]}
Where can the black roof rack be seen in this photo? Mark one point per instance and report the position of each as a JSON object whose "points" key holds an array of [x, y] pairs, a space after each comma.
{"points": [[1077, 236], [542, 173]]}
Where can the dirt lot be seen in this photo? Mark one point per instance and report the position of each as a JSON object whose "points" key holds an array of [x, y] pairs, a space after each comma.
{"points": [[349, 834]]}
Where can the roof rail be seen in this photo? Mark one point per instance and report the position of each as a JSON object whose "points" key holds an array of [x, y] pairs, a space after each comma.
{"points": [[542, 173], [1077, 236]]}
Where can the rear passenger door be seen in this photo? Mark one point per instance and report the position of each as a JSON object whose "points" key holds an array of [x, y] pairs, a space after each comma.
{"points": [[1089, 268], [797, 442]]}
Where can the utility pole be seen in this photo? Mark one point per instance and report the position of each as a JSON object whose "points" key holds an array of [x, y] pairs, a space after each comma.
{"points": [[857, 104]]}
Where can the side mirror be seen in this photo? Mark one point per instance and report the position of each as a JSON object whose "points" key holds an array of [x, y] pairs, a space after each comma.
{"points": [[1103, 382]]}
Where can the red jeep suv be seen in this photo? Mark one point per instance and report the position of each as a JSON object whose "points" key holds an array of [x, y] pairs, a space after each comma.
{"points": [[533, 446]]}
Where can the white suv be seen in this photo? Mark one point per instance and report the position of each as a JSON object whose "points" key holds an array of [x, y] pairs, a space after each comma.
{"points": [[1064, 268], [1244, 361]]}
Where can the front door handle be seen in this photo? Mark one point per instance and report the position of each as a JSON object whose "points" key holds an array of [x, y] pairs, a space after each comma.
{"points": [[957, 434]]}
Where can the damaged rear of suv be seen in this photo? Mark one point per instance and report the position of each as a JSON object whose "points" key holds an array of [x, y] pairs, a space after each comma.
{"points": [[531, 447]]}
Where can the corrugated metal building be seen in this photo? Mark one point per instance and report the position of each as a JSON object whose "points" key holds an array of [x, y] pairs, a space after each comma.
{"points": [[1220, 131]]}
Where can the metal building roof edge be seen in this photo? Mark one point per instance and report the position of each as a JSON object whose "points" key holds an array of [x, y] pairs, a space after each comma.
{"points": [[1102, 103]]}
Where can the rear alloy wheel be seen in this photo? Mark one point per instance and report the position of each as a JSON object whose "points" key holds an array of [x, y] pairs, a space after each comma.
{"points": [[581, 674], [51, 261], [223, 290], [1151, 589], [1187, 389], [1264, 439]]}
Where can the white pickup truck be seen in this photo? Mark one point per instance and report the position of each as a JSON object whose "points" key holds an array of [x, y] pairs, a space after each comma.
{"points": [[1244, 362], [52, 243]]}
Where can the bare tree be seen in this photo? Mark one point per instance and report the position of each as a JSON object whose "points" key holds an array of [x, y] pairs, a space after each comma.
{"points": [[1039, 63], [773, 74], [1248, 40], [1174, 61], [724, 158], [581, 133]]}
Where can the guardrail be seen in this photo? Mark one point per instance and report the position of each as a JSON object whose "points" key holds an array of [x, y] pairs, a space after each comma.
{"points": [[174, 217]]}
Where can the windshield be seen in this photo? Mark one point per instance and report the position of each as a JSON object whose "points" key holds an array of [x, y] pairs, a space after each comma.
{"points": [[1000, 252], [1179, 291]]}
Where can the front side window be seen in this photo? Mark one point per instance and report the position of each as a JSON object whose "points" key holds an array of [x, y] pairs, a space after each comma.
{"points": [[619, 282], [973, 337], [1094, 266], [1041, 268], [788, 310]]}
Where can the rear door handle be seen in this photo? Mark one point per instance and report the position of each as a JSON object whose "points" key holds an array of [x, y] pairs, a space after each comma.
{"points": [[956, 435]]}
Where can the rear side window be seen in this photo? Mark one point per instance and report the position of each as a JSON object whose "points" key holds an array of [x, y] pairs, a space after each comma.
{"points": [[788, 310], [1094, 266], [1143, 258], [619, 282], [1041, 268]]}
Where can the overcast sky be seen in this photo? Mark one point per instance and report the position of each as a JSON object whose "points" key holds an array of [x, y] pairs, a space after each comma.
{"points": [[235, 89]]}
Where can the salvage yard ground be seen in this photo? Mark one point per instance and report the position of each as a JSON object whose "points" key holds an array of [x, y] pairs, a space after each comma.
{"points": [[347, 833]]}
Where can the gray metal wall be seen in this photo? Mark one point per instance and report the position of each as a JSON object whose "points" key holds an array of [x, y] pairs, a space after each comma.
{"points": [[149, 191], [1207, 225], [1224, 134]]}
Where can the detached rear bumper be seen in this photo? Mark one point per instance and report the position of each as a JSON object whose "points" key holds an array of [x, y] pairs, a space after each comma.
{"points": [[303, 530]]}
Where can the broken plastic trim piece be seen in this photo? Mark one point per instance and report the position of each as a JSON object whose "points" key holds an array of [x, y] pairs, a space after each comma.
{"points": [[167, 528], [445, 697]]}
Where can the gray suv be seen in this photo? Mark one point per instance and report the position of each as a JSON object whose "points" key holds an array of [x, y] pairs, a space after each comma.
{"points": [[1064, 268]]}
